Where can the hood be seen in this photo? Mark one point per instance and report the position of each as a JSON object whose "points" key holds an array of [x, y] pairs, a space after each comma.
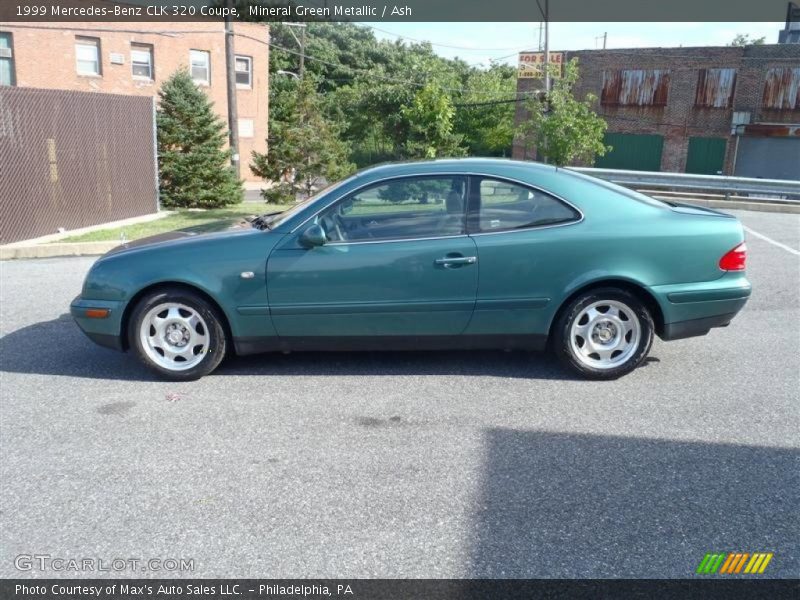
{"points": [[175, 238], [150, 240]]}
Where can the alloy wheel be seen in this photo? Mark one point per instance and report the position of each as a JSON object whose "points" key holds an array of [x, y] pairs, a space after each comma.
{"points": [[605, 334], [174, 336]]}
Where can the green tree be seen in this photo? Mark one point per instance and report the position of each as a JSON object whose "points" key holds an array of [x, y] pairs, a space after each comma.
{"points": [[194, 166], [429, 125], [485, 117], [743, 39], [303, 148], [371, 91], [564, 129]]}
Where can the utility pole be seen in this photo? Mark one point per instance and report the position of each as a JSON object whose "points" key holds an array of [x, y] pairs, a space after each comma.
{"points": [[546, 46], [604, 38], [301, 41], [302, 52], [230, 73]]}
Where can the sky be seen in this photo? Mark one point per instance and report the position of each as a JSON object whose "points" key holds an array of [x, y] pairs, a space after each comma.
{"points": [[477, 43]]}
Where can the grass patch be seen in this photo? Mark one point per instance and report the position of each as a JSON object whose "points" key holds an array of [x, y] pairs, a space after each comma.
{"points": [[217, 219]]}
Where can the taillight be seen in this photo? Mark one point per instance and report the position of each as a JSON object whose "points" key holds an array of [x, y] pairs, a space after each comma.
{"points": [[735, 259]]}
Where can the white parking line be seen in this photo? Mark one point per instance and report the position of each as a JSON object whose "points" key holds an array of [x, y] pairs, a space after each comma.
{"points": [[771, 241]]}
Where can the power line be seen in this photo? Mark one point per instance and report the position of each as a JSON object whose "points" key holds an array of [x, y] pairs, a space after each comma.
{"points": [[489, 102], [175, 32], [668, 55], [423, 41], [367, 73], [621, 52]]}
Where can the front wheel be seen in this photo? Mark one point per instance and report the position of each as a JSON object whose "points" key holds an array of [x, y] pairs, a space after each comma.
{"points": [[604, 333], [177, 333]]}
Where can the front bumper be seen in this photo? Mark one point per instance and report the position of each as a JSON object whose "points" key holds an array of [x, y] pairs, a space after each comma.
{"points": [[694, 309], [104, 331]]}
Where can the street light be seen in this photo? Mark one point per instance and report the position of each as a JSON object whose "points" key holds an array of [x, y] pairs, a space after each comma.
{"points": [[289, 73]]}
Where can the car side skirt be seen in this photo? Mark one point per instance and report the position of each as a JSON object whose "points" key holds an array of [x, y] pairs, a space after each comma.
{"points": [[255, 345]]}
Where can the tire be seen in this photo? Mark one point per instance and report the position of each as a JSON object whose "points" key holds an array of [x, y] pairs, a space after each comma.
{"points": [[604, 333], [177, 333]]}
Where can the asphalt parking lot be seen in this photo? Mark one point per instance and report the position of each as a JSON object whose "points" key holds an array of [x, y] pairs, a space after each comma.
{"points": [[435, 464]]}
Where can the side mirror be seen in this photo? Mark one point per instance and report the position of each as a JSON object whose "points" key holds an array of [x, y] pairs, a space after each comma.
{"points": [[313, 236]]}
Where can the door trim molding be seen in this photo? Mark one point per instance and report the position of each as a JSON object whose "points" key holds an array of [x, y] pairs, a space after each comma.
{"points": [[350, 308]]}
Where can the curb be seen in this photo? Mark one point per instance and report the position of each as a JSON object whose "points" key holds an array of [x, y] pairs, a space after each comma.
{"points": [[53, 250]]}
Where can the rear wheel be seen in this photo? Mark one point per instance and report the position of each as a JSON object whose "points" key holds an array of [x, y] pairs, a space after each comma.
{"points": [[177, 333], [604, 333]]}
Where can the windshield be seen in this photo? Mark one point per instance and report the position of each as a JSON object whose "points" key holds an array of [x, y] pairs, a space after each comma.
{"points": [[277, 220]]}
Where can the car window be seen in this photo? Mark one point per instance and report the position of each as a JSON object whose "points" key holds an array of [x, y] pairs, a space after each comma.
{"points": [[503, 205], [407, 208]]}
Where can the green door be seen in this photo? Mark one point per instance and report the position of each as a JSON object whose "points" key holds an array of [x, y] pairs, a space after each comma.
{"points": [[638, 152], [396, 262], [706, 155]]}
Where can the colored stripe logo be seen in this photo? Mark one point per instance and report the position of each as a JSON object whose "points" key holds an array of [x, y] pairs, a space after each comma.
{"points": [[732, 563]]}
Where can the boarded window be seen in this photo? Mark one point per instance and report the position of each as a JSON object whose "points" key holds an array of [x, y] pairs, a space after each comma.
{"points": [[715, 88], [782, 89], [635, 87], [245, 128]]}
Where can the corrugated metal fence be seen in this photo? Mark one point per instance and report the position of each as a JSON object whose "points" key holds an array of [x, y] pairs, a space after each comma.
{"points": [[73, 159]]}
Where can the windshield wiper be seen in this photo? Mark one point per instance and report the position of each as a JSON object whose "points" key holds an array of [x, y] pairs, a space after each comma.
{"points": [[262, 221]]}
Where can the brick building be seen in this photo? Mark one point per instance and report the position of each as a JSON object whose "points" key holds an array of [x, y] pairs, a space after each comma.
{"points": [[729, 110], [134, 58]]}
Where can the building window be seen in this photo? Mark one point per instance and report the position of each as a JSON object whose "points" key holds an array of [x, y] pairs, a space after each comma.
{"points": [[245, 128], [635, 87], [244, 71], [715, 88], [7, 75], [142, 61], [87, 55], [200, 61], [782, 89]]}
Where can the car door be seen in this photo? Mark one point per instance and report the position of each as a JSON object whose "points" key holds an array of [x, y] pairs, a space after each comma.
{"points": [[526, 255], [396, 261]]}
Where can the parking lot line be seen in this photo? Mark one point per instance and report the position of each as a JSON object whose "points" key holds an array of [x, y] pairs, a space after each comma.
{"points": [[771, 241]]}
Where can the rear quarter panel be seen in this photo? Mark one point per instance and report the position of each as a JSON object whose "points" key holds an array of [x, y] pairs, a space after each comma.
{"points": [[619, 238]]}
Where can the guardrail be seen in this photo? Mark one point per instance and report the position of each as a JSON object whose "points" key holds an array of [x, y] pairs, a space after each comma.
{"points": [[778, 191]]}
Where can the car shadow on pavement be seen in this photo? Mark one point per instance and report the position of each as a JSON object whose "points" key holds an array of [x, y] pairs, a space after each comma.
{"points": [[589, 506], [57, 347], [496, 363]]}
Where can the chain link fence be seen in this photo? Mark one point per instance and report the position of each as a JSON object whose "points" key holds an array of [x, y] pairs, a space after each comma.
{"points": [[73, 159]]}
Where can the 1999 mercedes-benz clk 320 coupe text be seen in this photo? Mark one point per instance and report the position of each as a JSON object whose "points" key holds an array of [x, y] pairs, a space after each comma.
{"points": [[471, 253]]}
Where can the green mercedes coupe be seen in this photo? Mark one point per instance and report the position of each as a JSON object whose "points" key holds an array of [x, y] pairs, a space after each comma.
{"points": [[471, 253]]}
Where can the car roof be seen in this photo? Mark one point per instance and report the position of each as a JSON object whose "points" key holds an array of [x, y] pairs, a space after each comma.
{"points": [[460, 165]]}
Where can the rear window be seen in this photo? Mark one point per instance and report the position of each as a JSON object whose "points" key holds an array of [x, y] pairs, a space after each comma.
{"points": [[621, 190]]}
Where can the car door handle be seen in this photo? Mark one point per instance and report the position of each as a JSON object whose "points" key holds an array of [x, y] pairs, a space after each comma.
{"points": [[449, 261]]}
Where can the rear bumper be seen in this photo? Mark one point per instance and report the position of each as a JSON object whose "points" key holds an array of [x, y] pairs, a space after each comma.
{"points": [[694, 309], [695, 327], [105, 331]]}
